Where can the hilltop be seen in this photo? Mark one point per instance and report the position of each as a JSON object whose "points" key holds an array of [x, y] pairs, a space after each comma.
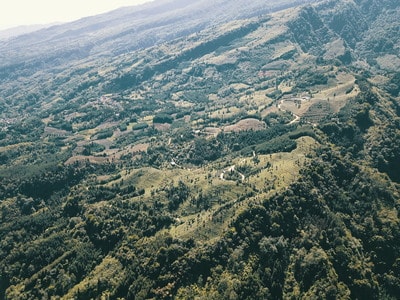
{"points": [[216, 150]]}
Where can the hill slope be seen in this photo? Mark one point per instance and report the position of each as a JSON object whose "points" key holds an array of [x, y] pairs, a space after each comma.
{"points": [[124, 30], [251, 154]]}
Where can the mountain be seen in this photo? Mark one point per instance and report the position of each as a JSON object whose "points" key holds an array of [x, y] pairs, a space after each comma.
{"points": [[208, 150], [129, 28], [21, 30]]}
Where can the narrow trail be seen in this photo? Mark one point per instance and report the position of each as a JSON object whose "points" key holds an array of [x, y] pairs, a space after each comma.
{"points": [[296, 117], [231, 169]]}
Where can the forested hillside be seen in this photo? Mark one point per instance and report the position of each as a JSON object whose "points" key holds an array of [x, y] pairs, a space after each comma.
{"points": [[216, 150]]}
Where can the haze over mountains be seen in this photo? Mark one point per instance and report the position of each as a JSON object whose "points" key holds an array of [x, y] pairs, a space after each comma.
{"points": [[206, 150], [132, 28], [20, 30]]}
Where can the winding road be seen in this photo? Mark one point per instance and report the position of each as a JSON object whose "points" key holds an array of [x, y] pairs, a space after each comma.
{"points": [[296, 117], [231, 169]]}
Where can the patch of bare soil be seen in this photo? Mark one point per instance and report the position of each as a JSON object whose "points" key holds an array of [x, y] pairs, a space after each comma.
{"points": [[162, 127], [246, 124]]}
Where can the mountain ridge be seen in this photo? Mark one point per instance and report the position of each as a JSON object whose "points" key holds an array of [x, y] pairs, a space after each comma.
{"points": [[137, 27]]}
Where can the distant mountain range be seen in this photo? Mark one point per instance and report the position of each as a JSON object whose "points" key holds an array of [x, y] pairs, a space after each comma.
{"points": [[131, 28], [23, 29]]}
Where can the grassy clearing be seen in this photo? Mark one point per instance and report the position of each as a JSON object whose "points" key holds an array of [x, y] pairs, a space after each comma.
{"points": [[246, 124], [332, 96], [340, 93], [334, 49], [257, 98], [15, 146], [225, 112], [272, 173], [283, 49]]}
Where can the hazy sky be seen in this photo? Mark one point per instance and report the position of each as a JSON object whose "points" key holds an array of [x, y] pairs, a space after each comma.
{"points": [[27, 12]]}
